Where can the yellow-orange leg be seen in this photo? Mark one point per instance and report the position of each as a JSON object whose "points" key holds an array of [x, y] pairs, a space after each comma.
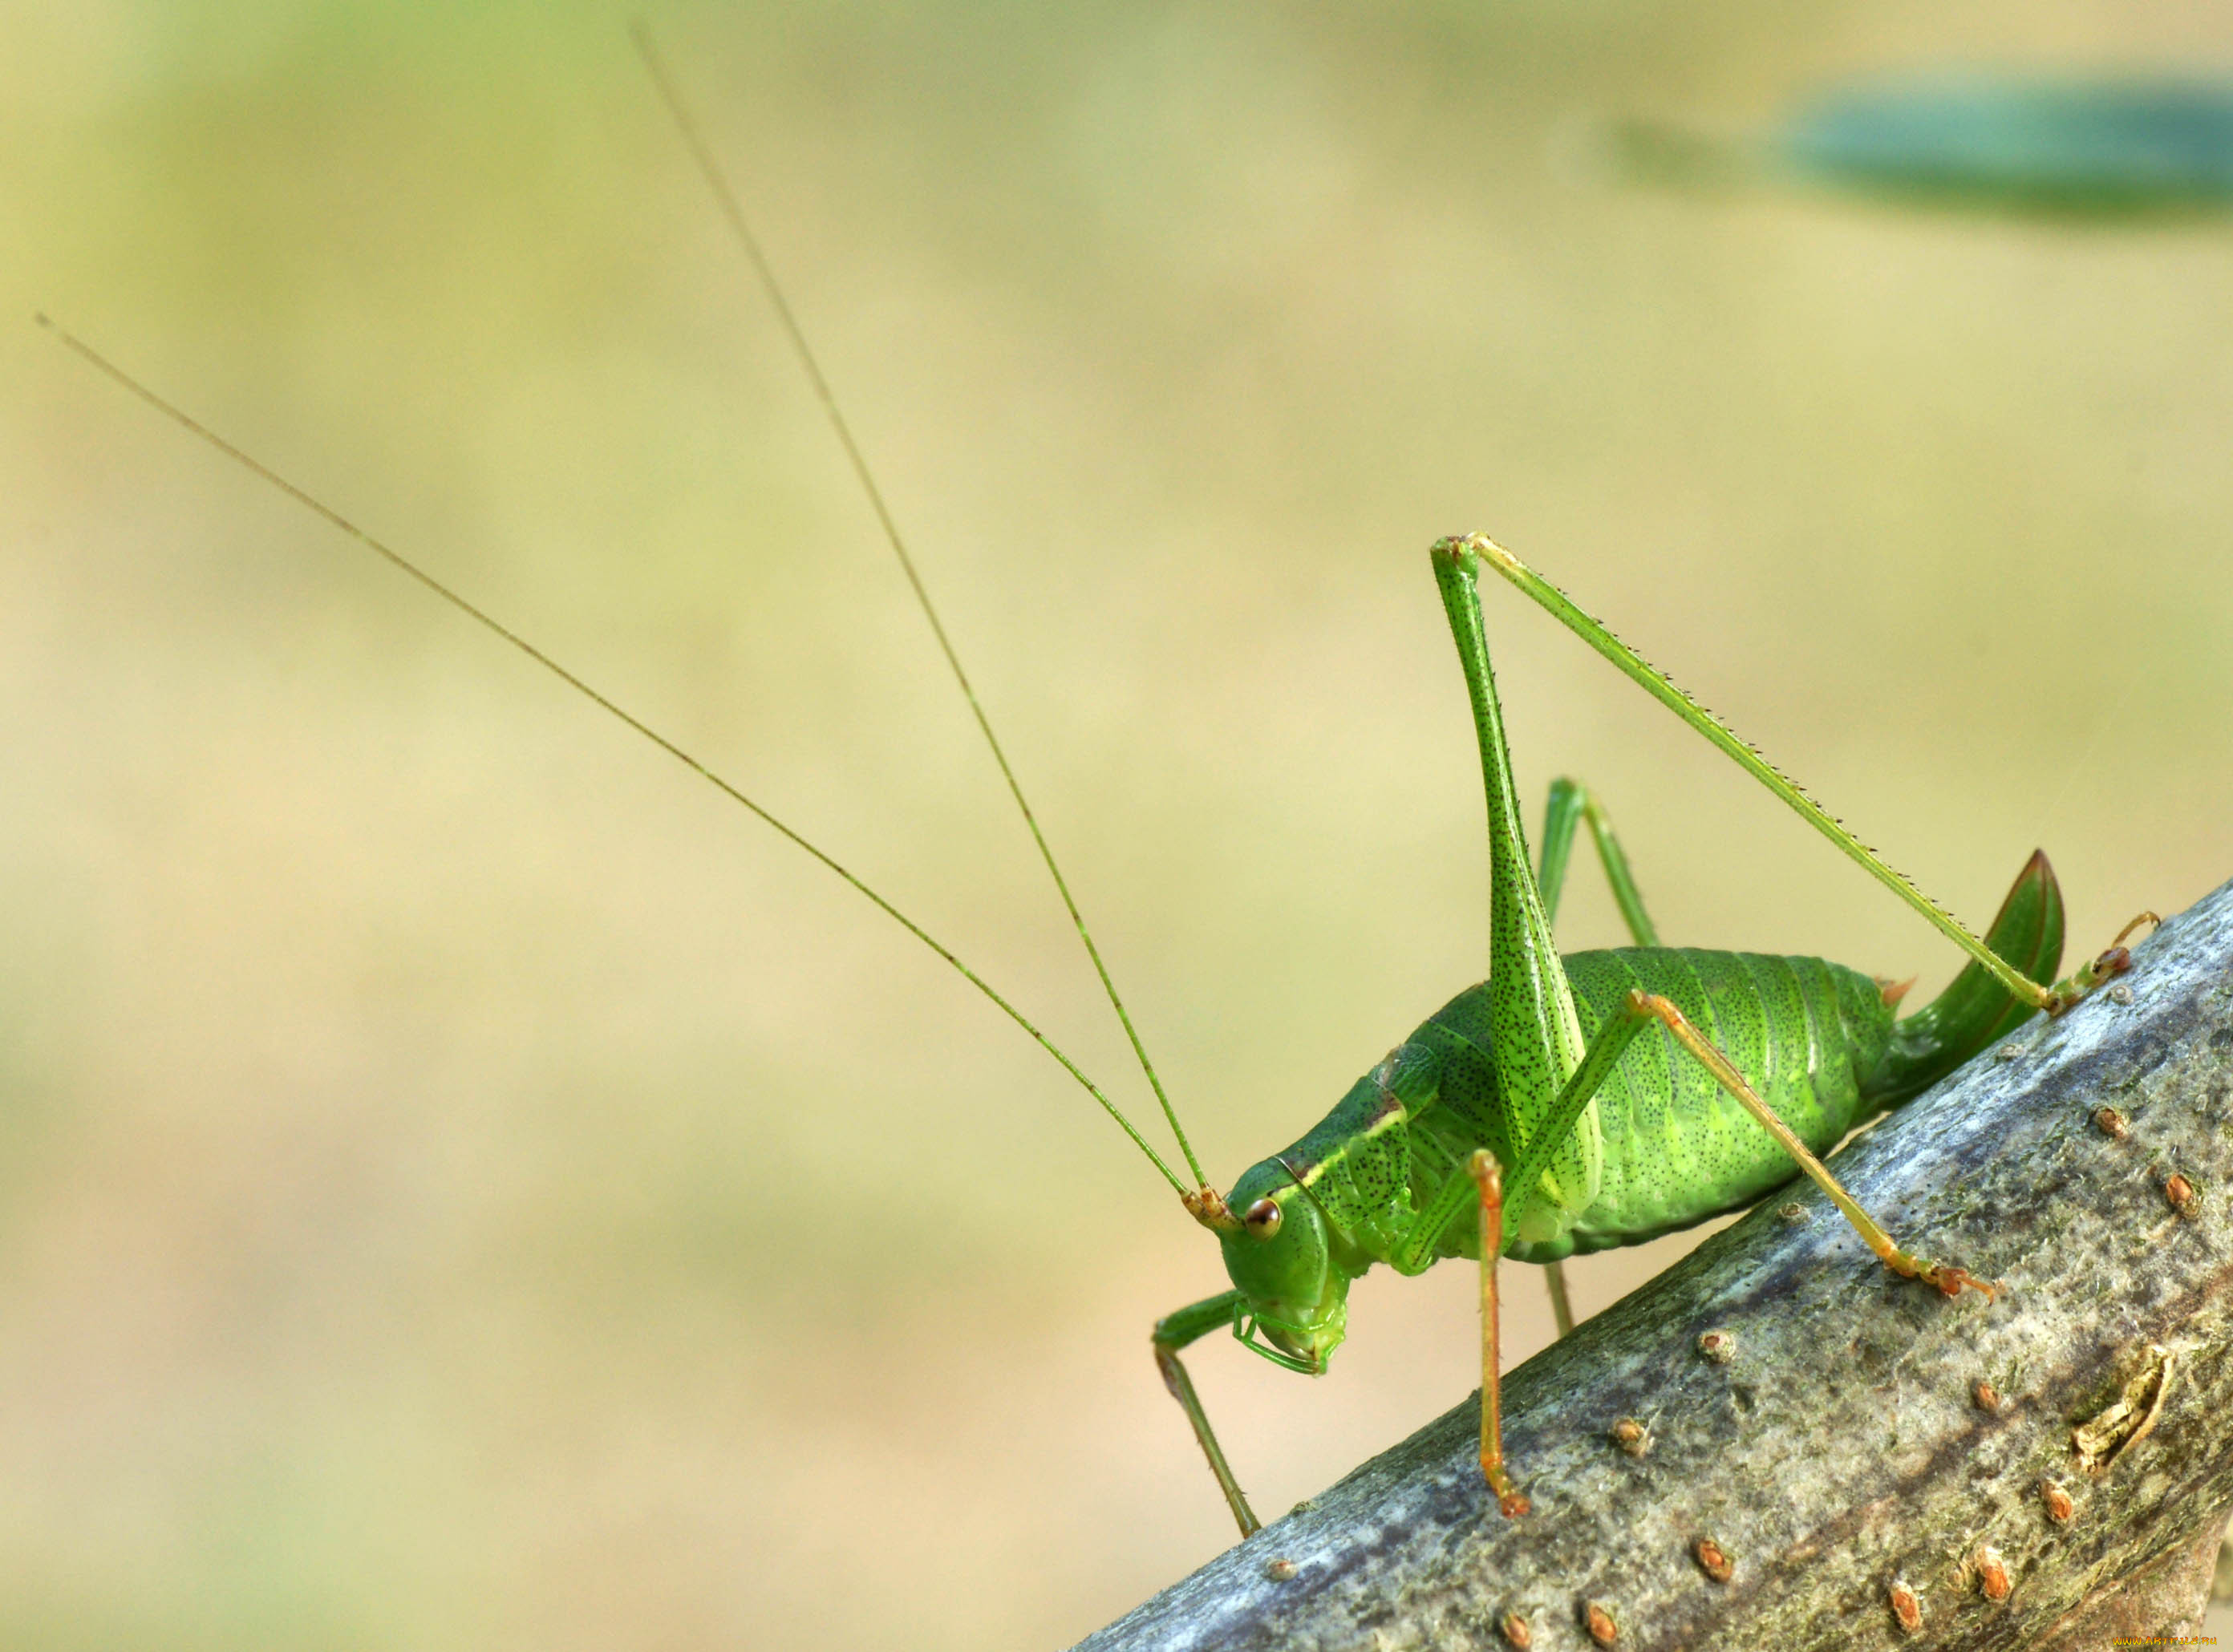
{"points": [[1951, 1280], [1490, 1179]]}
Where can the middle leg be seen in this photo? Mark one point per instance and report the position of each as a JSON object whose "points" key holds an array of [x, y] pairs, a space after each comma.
{"points": [[1950, 1279], [1488, 1179]]}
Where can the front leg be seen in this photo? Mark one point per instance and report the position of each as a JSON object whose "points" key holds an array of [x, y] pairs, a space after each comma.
{"points": [[1174, 1332]]}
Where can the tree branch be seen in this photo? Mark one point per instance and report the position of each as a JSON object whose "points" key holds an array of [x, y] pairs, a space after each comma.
{"points": [[1844, 1451]]}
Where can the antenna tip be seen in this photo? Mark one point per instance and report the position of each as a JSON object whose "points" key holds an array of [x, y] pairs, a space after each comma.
{"points": [[40, 316]]}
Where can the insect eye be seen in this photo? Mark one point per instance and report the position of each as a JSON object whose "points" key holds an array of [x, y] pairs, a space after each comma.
{"points": [[1263, 1218]]}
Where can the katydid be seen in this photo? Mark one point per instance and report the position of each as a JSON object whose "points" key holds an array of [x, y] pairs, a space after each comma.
{"points": [[1534, 1067], [1536, 1079]]}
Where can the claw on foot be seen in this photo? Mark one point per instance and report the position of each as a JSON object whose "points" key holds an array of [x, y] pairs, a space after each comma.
{"points": [[2148, 918], [2113, 962], [1953, 1282], [1509, 1498], [1950, 1280]]}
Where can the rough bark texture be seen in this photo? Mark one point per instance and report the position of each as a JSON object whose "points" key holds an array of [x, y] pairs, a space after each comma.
{"points": [[1843, 1449]]}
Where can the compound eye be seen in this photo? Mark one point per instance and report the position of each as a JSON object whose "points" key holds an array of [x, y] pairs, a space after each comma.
{"points": [[1263, 1218]]}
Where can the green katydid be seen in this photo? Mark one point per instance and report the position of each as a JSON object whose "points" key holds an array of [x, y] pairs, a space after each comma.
{"points": [[1536, 1076], [1558, 1166]]}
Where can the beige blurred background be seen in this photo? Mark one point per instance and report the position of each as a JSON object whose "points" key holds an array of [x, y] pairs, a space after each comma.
{"points": [[463, 1184]]}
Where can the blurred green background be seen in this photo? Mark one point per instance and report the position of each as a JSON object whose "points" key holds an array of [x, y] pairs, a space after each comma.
{"points": [[462, 1184]]}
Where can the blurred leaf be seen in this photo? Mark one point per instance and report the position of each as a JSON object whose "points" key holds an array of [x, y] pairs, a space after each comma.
{"points": [[2084, 147]]}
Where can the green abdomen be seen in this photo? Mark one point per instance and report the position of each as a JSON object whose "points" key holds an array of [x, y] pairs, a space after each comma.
{"points": [[1678, 1149]]}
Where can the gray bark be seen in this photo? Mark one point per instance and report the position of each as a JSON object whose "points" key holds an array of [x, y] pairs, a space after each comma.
{"points": [[1844, 1450]]}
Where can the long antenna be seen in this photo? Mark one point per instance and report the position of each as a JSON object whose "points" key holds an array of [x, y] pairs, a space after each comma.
{"points": [[732, 209], [187, 421]]}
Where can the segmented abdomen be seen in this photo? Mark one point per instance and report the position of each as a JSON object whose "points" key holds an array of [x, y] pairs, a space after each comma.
{"points": [[1678, 1149]]}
